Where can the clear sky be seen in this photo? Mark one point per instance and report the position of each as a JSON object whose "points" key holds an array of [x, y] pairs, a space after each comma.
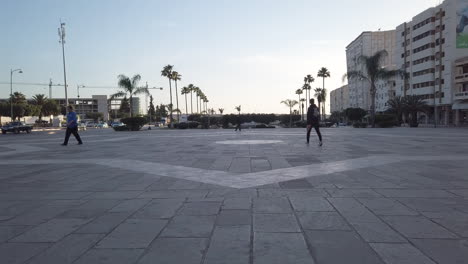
{"points": [[253, 53]]}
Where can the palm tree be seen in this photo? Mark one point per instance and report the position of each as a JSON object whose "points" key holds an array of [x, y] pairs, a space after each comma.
{"points": [[309, 79], [412, 105], [318, 95], [176, 77], [40, 100], [290, 103], [185, 91], [302, 107], [130, 87], [307, 88], [397, 106], [299, 92], [372, 74], [167, 72], [221, 110], [324, 99], [238, 109], [191, 88], [197, 93]]}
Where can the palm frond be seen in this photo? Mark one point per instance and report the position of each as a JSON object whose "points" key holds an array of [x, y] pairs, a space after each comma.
{"points": [[135, 79], [355, 75], [118, 94]]}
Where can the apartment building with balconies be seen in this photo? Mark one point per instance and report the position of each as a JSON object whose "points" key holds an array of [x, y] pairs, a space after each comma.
{"points": [[433, 50], [367, 44], [339, 99]]}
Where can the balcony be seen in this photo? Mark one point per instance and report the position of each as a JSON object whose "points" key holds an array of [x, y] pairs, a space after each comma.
{"points": [[461, 78], [461, 96]]}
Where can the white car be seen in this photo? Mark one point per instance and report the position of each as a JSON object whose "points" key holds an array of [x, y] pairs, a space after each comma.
{"points": [[102, 125]]}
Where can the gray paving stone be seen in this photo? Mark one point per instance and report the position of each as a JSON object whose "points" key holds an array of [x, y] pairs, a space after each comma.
{"points": [[272, 205], [233, 193], [51, 231], [38, 215], [90, 209], [385, 206], [17, 253], [457, 225], [129, 205], [405, 193], [160, 208], [175, 250], [460, 192], [400, 254], [444, 251], [174, 194], [189, 226], [331, 247], [276, 223], [417, 227], [353, 193], [67, 250], [377, 232], [133, 233], [280, 248], [234, 218], [240, 165], [353, 211], [110, 256], [7, 232], [322, 221], [237, 203], [104, 223], [296, 184], [200, 208], [310, 204], [229, 245]]}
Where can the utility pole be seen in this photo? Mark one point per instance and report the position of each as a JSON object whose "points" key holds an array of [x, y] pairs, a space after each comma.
{"points": [[11, 90], [50, 88], [61, 33]]}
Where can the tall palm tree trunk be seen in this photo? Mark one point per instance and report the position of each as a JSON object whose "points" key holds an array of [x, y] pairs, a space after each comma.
{"points": [[177, 100], [197, 104], [131, 105], [290, 117], [191, 103], [170, 92], [372, 107], [300, 112], [186, 105]]}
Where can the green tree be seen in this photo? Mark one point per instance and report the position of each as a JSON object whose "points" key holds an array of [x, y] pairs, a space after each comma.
{"points": [[355, 114], [185, 91], [95, 116], [130, 88], [318, 95], [161, 112], [176, 77], [290, 103], [4, 110], [238, 109], [221, 110], [191, 88], [124, 109], [413, 104], [167, 72], [309, 79], [373, 72], [323, 73], [18, 98], [323, 95], [299, 92], [152, 110], [397, 107], [39, 100], [50, 107]]}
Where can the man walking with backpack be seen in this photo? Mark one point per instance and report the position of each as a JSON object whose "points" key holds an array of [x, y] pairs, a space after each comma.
{"points": [[313, 121]]}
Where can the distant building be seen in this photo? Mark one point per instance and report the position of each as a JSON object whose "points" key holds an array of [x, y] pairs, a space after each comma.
{"points": [[433, 49], [339, 99], [367, 44]]}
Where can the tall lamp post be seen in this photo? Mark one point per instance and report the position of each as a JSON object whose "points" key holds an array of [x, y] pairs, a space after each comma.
{"points": [[11, 90], [61, 33], [149, 112]]}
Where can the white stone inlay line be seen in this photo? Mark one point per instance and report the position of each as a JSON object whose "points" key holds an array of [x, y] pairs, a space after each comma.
{"points": [[246, 180]]}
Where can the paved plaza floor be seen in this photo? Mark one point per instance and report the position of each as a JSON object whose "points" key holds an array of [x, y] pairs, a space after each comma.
{"points": [[220, 197]]}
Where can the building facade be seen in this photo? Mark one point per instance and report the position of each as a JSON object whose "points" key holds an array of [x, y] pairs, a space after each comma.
{"points": [[367, 44], [339, 99], [432, 49]]}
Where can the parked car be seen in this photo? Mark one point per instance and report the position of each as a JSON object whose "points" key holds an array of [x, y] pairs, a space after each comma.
{"points": [[117, 124], [82, 126], [91, 124], [16, 127], [102, 125]]}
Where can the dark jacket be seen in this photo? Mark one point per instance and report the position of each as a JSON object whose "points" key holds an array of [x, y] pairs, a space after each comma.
{"points": [[313, 115]]}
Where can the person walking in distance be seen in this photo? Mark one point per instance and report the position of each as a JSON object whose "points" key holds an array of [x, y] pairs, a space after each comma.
{"points": [[313, 121], [238, 123], [72, 126]]}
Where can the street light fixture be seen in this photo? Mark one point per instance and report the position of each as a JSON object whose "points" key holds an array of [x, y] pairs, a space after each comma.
{"points": [[149, 112], [61, 33], [11, 89]]}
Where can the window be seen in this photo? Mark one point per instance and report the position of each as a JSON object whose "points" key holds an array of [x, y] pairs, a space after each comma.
{"points": [[423, 72]]}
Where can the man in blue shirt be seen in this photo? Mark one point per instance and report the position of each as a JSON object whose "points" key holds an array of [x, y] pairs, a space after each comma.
{"points": [[72, 126]]}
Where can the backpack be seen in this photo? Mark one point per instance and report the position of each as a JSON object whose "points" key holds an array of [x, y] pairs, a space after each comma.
{"points": [[316, 112]]}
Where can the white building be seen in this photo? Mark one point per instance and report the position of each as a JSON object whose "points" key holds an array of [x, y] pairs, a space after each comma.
{"points": [[433, 49], [367, 44], [339, 99]]}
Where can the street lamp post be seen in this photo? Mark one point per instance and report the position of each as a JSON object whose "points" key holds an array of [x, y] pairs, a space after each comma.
{"points": [[11, 90], [61, 33], [149, 112]]}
